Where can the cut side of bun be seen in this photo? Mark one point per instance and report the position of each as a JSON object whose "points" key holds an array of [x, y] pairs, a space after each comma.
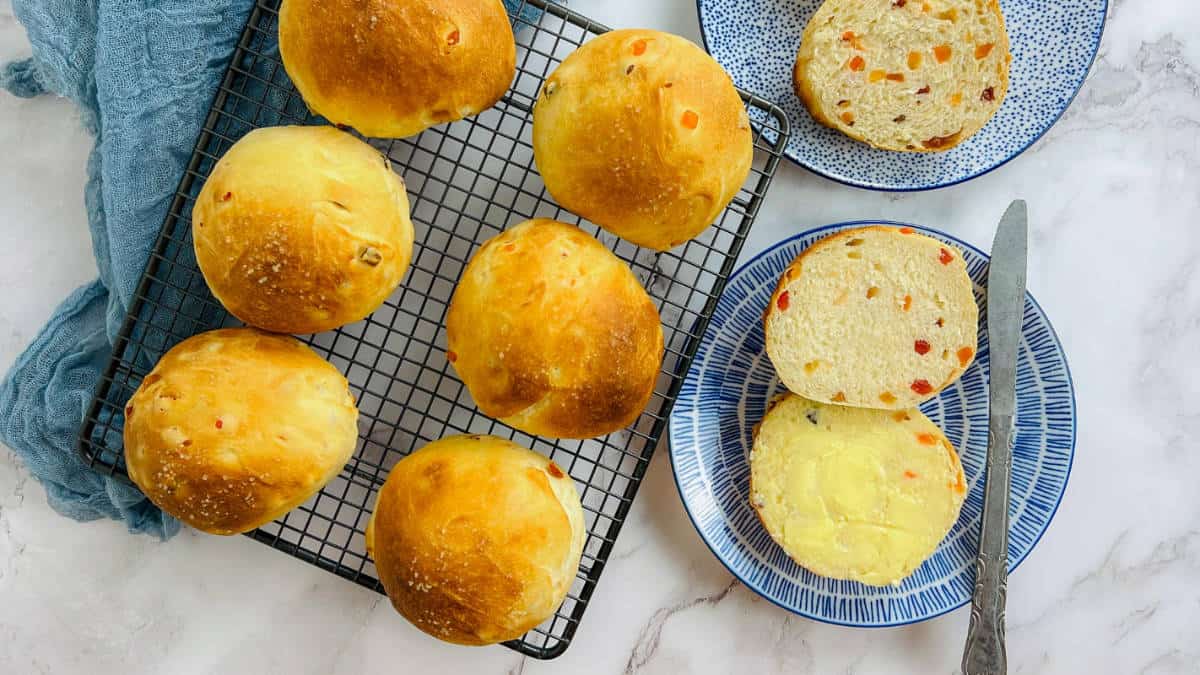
{"points": [[905, 75], [874, 317], [850, 493]]}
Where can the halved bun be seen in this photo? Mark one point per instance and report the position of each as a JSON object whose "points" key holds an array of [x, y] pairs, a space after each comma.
{"points": [[906, 75], [851, 493], [876, 317]]}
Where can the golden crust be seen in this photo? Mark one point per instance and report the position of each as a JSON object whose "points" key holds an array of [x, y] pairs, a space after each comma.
{"points": [[825, 110], [476, 539], [235, 427], [302, 229], [552, 333], [392, 68], [644, 134]]}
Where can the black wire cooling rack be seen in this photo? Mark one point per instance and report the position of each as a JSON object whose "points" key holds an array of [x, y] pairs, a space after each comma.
{"points": [[467, 182]]}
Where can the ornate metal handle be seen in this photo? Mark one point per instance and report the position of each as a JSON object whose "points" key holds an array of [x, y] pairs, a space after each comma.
{"points": [[985, 652]]}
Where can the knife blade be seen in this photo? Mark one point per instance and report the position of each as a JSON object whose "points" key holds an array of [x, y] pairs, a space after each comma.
{"points": [[985, 652]]}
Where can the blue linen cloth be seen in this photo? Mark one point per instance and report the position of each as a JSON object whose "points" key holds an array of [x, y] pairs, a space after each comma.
{"points": [[143, 73]]}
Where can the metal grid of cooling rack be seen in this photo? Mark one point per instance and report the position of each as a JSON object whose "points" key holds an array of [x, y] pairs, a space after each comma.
{"points": [[467, 182]]}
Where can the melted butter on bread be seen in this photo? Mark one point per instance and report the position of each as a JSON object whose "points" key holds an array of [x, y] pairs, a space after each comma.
{"points": [[850, 493]]}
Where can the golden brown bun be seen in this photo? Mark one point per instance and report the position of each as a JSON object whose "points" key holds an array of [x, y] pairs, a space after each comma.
{"points": [[236, 427], [642, 133], [393, 68], [476, 539], [302, 229], [552, 333]]}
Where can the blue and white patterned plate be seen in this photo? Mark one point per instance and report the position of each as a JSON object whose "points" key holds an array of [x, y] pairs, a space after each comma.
{"points": [[726, 393], [1053, 45]]}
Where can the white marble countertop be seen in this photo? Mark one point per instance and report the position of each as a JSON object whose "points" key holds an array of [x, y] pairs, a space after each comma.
{"points": [[1114, 192]]}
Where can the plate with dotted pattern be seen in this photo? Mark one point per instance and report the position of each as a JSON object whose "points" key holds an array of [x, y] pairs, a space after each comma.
{"points": [[726, 392], [1053, 43]]}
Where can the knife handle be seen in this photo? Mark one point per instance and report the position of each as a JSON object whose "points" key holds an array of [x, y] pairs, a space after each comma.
{"points": [[985, 651]]}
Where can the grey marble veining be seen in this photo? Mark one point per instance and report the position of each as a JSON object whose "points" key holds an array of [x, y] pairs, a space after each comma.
{"points": [[1114, 195]]}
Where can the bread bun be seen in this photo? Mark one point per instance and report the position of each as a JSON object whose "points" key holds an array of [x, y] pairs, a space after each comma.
{"points": [[909, 76], [302, 229], [851, 493], [476, 539], [642, 133], [393, 68], [236, 427], [552, 333], [876, 317]]}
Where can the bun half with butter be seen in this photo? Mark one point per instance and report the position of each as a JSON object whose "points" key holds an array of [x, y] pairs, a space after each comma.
{"points": [[476, 540], [851, 493]]}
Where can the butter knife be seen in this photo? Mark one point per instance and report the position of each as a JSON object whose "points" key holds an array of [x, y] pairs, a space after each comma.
{"points": [[985, 651]]}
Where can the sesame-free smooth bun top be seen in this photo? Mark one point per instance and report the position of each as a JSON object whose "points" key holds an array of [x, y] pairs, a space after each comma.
{"points": [[393, 68], [877, 317], [852, 493], [910, 76], [235, 427], [302, 229], [476, 540], [644, 134], [553, 334]]}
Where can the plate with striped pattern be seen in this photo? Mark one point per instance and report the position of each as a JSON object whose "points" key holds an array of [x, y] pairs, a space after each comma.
{"points": [[726, 393]]}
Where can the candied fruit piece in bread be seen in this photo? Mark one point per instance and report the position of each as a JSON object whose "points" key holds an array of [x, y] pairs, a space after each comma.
{"points": [[905, 76], [875, 317], [851, 493]]}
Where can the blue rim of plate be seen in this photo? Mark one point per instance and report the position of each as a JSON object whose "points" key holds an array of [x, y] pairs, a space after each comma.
{"points": [[798, 129], [690, 389]]}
